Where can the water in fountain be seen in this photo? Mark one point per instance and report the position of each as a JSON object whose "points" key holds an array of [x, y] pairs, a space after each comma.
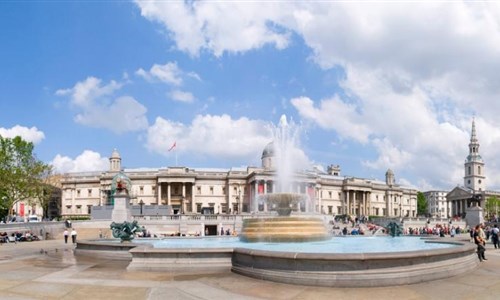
{"points": [[285, 228]]}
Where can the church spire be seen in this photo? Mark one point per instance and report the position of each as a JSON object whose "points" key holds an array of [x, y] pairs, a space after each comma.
{"points": [[474, 165], [474, 144]]}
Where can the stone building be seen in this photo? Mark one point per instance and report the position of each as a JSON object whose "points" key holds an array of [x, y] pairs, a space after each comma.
{"points": [[474, 188], [437, 204], [237, 190]]}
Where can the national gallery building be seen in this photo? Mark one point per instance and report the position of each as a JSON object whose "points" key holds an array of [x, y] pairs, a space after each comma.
{"points": [[184, 190]]}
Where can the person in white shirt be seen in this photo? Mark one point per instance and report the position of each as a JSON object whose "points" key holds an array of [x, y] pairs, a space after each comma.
{"points": [[73, 235], [66, 233]]}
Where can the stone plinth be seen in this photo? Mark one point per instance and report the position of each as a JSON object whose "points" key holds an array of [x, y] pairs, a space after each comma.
{"points": [[474, 216], [121, 210]]}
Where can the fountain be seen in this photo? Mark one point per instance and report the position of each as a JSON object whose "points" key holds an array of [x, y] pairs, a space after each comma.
{"points": [[293, 249], [284, 228]]}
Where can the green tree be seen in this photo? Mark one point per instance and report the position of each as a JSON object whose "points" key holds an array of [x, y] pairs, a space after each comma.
{"points": [[21, 173], [492, 206], [421, 204]]}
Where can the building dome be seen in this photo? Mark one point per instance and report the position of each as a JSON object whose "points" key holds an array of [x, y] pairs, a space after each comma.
{"points": [[268, 150], [115, 161], [115, 154]]}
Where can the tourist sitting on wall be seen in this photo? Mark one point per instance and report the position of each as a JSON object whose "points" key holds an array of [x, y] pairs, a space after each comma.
{"points": [[4, 237]]}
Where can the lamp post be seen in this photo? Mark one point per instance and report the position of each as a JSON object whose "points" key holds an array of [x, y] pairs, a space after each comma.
{"points": [[141, 204]]}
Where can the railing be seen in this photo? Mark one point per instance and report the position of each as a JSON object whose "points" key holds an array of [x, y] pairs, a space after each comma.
{"points": [[177, 218]]}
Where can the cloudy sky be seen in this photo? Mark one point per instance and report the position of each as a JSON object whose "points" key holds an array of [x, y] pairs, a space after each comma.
{"points": [[373, 85]]}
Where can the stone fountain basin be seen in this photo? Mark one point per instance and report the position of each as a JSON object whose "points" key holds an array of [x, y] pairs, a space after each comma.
{"points": [[355, 270], [316, 269]]}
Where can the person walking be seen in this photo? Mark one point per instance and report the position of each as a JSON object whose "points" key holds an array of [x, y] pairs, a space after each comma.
{"points": [[65, 233], [494, 236], [73, 236], [480, 242]]}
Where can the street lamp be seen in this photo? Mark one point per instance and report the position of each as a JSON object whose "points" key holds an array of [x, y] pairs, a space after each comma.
{"points": [[141, 203]]}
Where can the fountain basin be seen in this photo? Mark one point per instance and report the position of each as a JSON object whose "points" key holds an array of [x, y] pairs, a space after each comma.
{"points": [[355, 269], [314, 263]]}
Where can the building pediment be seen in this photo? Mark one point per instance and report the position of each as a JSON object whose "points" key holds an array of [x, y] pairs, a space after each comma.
{"points": [[459, 193]]}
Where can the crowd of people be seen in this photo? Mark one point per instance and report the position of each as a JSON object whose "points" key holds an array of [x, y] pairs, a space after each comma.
{"points": [[17, 236]]}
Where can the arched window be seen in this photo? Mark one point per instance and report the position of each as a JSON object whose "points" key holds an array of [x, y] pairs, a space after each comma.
{"points": [[469, 170], [479, 170]]}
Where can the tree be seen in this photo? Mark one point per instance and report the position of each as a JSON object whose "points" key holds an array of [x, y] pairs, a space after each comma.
{"points": [[492, 206], [21, 173], [421, 204]]}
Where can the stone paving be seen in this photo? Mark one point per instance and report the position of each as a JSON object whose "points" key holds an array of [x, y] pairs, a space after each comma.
{"points": [[49, 270]]}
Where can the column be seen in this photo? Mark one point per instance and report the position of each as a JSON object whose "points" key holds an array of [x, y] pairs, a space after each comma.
{"points": [[73, 192], [229, 198], [183, 198], [168, 194], [348, 204], [192, 198], [265, 192], [256, 191], [159, 194], [363, 197]]}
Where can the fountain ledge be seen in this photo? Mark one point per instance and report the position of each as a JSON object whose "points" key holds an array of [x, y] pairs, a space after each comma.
{"points": [[316, 269], [355, 270]]}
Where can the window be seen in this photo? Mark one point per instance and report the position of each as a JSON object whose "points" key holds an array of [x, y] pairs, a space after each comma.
{"points": [[211, 190], [198, 190], [141, 190], [78, 193], [223, 190], [89, 192], [469, 170], [330, 194], [330, 209], [468, 181], [89, 209], [479, 170], [198, 207], [153, 189]]}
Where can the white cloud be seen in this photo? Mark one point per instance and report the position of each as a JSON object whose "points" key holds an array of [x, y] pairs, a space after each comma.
{"points": [[216, 136], [168, 73], [85, 93], [28, 134], [415, 72], [218, 26], [181, 96], [86, 162], [98, 108]]}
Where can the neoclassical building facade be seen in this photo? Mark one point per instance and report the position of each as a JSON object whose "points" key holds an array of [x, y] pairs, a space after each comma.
{"points": [[237, 190]]}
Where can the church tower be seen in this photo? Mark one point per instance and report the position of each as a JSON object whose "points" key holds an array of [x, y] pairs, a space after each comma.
{"points": [[474, 165], [115, 162]]}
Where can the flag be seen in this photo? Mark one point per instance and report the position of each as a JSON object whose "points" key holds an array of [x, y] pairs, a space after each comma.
{"points": [[173, 146]]}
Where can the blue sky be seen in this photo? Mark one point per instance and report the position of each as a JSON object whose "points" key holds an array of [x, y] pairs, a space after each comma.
{"points": [[374, 85]]}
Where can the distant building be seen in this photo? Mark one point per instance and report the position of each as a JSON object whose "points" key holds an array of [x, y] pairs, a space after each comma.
{"points": [[474, 188], [437, 204], [237, 190]]}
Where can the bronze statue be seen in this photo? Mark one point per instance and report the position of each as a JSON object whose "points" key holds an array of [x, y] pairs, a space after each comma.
{"points": [[125, 231]]}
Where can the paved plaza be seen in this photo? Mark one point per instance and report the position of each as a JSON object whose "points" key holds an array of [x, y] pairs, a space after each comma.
{"points": [[49, 270]]}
